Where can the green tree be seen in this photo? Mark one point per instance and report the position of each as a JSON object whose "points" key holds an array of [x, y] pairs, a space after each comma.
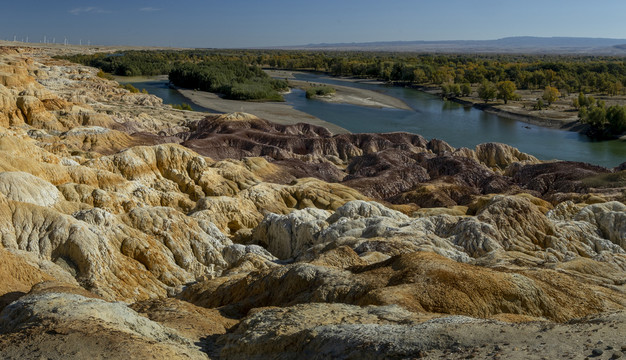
{"points": [[487, 91], [584, 101], [445, 90], [594, 115], [616, 119], [615, 88], [506, 91], [466, 89], [450, 90], [550, 94]]}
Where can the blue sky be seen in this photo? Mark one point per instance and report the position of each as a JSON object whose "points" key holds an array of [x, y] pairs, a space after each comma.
{"points": [[247, 23]]}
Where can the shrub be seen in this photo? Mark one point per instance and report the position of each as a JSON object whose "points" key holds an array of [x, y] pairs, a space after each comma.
{"points": [[319, 91], [107, 76], [183, 106], [130, 88]]}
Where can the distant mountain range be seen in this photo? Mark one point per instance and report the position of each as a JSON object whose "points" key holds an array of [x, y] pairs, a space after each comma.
{"points": [[519, 44]]}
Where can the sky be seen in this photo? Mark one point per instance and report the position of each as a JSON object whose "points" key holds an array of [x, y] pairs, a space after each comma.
{"points": [[248, 23]]}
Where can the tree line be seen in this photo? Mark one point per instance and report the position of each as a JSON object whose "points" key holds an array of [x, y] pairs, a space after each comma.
{"points": [[194, 69], [569, 74]]}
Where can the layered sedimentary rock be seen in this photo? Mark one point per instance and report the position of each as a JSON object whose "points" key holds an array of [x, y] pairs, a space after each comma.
{"points": [[400, 168], [128, 227], [61, 323]]}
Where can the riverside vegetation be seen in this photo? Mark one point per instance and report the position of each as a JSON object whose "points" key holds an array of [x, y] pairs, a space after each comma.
{"points": [[314, 91], [489, 76]]}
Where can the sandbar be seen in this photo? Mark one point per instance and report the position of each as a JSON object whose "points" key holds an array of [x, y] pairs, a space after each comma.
{"points": [[345, 94], [277, 112]]}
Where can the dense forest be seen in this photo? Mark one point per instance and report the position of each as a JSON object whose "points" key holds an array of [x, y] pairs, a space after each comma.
{"points": [[237, 73], [234, 79], [569, 74]]}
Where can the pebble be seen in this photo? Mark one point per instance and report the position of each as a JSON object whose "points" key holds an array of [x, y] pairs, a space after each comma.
{"points": [[623, 347], [597, 352], [616, 355]]}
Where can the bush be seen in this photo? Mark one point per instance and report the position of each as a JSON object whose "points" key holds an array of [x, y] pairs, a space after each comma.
{"points": [[183, 106], [319, 91], [130, 88], [102, 74]]}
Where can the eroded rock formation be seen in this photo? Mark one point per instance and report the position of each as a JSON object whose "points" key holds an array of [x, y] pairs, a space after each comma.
{"points": [[130, 228]]}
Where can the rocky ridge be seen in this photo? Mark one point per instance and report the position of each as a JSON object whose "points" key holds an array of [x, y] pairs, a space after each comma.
{"points": [[128, 227]]}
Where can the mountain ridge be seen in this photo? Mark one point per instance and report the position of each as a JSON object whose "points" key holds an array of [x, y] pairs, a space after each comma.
{"points": [[533, 44]]}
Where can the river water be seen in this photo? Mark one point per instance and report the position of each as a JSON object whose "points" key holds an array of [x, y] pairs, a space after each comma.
{"points": [[161, 88], [432, 117]]}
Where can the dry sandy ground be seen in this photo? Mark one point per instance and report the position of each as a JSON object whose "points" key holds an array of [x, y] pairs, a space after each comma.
{"points": [[559, 115], [275, 111], [355, 96]]}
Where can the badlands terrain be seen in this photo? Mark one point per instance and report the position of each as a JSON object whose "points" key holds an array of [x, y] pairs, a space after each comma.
{"points": [[129, 229]]}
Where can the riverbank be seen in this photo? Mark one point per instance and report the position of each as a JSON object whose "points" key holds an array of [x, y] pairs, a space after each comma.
{"points": [[560, 115], [277, 112]]}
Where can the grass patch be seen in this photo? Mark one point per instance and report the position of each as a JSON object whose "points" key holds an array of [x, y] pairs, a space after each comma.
{"points": [[315, 91]]}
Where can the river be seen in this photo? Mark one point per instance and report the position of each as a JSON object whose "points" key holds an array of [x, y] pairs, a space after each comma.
{"points": [[432, 117], [160, 87]]}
